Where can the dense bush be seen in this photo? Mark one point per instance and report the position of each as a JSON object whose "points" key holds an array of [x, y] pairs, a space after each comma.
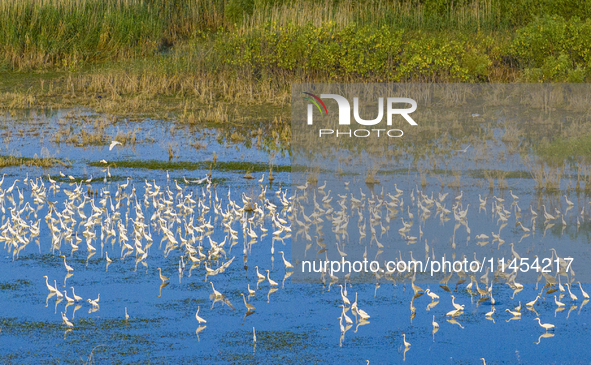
{"points": [[357, 52], [554, 49]]}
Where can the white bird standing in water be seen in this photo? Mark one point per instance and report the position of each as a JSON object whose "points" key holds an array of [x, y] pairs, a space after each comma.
{"points": [[559, 304], [287, 264], [260, 276], [94, 303], [216, 293], [572, 296], [66, 321], [250, 291], [432, 295], [57, 292], [546, 326], [68, 299], [249, 307], [76, 297], [199, 319], [51, 288], [271, 282], [162, 277], [406, 344], [585, 295], [68, 267]]}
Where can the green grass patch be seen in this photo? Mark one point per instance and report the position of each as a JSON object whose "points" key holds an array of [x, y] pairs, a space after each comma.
{"points": [[560, 150], [481, 174], [228, 166]]}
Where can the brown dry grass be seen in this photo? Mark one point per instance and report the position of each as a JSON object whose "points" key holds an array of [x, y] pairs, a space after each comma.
{"points": [[43, 162]]}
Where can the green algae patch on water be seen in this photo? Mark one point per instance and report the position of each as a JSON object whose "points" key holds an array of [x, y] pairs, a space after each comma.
{"points": [[190, 166]]}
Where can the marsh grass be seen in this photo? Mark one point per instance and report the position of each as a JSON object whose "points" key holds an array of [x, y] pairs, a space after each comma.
{"points": [[371, 175], [216, 114], [584, 177], [83, 130], [442, 180], [127, 138], [501, 177], [545, 176], [489, 176], [66, 34], [312, 178], [455, 181], [43, 162], [422, 175]]}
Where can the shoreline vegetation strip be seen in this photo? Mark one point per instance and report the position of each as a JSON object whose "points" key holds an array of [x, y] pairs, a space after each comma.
{"points": [[153, 52]]}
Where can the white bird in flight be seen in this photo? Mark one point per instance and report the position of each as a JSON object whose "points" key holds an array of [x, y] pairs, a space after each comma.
{"points": [[464, 150], [113, 144]]}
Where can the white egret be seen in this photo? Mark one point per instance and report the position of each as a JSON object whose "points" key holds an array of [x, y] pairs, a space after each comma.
{"points": [[271, 282], [162, 277], [113, 144], [546, 326], [514, 313], [406, 344], [216, 293], [559, 304], [68, 267], [435, 324], [250, 291], [260, 276], [51, 288], [248, 306], [433, 296], [76, 297], [198, 318], [531, 304], [572, 296], [585, 295], [287, 264], [345, 299]]}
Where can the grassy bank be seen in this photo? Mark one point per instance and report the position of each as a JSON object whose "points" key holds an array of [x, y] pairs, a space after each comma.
{"points": [[197, 60]]}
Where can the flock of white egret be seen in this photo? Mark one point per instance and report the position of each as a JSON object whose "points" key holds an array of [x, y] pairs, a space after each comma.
{"points": [[351, 216], [122, 218], [119, 220]]}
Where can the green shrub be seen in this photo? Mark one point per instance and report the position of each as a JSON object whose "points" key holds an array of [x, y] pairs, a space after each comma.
{"points": [[554, 49], [553, 36], [356, 52]]}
